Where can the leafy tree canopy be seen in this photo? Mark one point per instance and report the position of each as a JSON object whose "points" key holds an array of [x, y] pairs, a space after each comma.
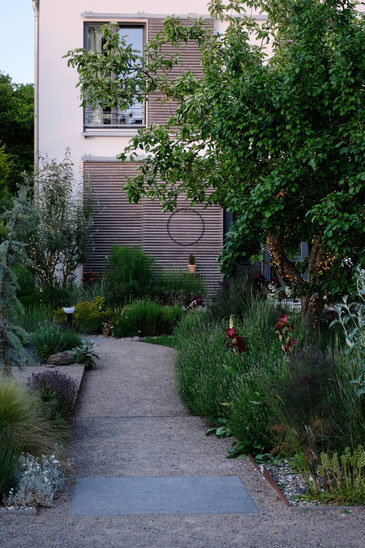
{"points": [[276, 139], [16, 127]]}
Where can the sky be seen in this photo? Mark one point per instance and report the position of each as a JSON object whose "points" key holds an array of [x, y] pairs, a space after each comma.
{"points": [[17, 40]]}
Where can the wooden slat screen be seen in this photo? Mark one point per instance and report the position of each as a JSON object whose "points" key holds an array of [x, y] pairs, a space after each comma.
{"points": [[116, 221], [119, 222], [190, 57]]}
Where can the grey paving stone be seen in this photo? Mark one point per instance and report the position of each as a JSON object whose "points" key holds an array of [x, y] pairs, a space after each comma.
{"points": [[155, 496]]}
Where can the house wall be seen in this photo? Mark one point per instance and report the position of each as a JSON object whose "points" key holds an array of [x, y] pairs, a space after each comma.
{"points": [[61, 28]]}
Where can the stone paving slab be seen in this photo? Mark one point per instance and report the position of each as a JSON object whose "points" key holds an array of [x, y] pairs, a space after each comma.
{"points": [[156, 496]]}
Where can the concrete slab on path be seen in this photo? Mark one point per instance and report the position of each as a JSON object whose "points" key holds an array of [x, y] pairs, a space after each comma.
{"points": [[156, 496]]}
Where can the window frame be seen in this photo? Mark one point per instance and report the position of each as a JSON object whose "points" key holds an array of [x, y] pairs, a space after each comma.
{"points": [[109, 128]]}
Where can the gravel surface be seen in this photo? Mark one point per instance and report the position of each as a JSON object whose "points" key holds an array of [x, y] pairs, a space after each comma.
{"points": [[130, 423]]}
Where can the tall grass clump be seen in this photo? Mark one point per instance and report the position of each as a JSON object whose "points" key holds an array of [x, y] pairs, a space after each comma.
{"points": [[128, 274], [8, 463], [145, 318], [203, 380], [23, 425], [49, 338], [234, 298]]}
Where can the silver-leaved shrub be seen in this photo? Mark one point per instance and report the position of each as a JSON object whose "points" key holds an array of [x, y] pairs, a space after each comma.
{"points": [[39, 479]]}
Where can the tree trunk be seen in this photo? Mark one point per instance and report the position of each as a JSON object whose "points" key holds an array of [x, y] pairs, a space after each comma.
{"points": [[290, 274]]}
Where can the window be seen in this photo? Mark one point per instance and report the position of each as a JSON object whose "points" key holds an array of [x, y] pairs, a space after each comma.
{"points": [[113, 117]]}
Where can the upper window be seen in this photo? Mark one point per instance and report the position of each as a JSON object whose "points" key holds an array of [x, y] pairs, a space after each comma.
{"points": [[113, 117]]}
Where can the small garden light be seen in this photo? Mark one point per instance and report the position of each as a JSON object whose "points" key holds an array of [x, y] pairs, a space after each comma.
{"points": [[69, 310]]}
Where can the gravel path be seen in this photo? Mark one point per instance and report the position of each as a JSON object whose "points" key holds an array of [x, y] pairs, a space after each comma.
{"points": [[130, 423]]}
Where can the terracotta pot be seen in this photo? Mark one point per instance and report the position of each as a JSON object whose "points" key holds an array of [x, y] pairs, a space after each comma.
{"points": [[191, 268]]}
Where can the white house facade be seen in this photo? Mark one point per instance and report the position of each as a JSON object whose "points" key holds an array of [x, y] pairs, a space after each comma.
{"points": [[96, 137]]}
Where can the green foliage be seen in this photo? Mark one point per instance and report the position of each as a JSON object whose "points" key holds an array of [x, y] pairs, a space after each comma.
{"points": [[22, 423], [17, 128], [176, 287], [203, 380], [280, 140], [351, 318], [340, 479], [27, 291], [5, 170], [163, 340], [145, 318], [89, 317], [12, 337], [129, 274], [49, 338], [57, 391], [8, 464], [31, 318], [84, 354], [60, 240], [235, 298], [269, 402]]}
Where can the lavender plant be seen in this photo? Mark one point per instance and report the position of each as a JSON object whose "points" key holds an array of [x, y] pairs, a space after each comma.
{"points": [[57, 388]]}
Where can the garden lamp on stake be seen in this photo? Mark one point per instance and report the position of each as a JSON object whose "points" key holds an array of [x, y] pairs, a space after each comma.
{"points": [[69, 310]]}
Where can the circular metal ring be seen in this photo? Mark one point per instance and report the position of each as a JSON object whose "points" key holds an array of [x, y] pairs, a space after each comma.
{"points": [[199, 231]]}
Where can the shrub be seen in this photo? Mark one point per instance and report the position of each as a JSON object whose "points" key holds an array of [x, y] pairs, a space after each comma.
{"points": [[56, 389], [176, 287], [23, 425], [305, 389], [27, 291], [146, 318], [49, 339], [89, 317], [234, 298], [60, 241], [40, 479], [31, 318], [129, 274]]}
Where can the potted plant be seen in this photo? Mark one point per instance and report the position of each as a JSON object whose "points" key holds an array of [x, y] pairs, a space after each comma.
{"points": [[191, 265]]}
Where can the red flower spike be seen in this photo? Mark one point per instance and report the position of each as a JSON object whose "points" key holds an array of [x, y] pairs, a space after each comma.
{"points": [[240, 344], [231, 332]]}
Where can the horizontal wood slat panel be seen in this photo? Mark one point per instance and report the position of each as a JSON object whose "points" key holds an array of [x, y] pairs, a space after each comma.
{"points": [[116, 221], [167, 237], [190, 58]]}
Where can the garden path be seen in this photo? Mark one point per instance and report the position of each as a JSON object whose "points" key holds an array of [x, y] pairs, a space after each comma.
{"points": [[130, 424]]}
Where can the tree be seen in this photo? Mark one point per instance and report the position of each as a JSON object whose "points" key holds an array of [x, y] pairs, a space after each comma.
{"points": [[12, 337], [280, 140], [17, 127], [5, 170], [62, 218]]}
